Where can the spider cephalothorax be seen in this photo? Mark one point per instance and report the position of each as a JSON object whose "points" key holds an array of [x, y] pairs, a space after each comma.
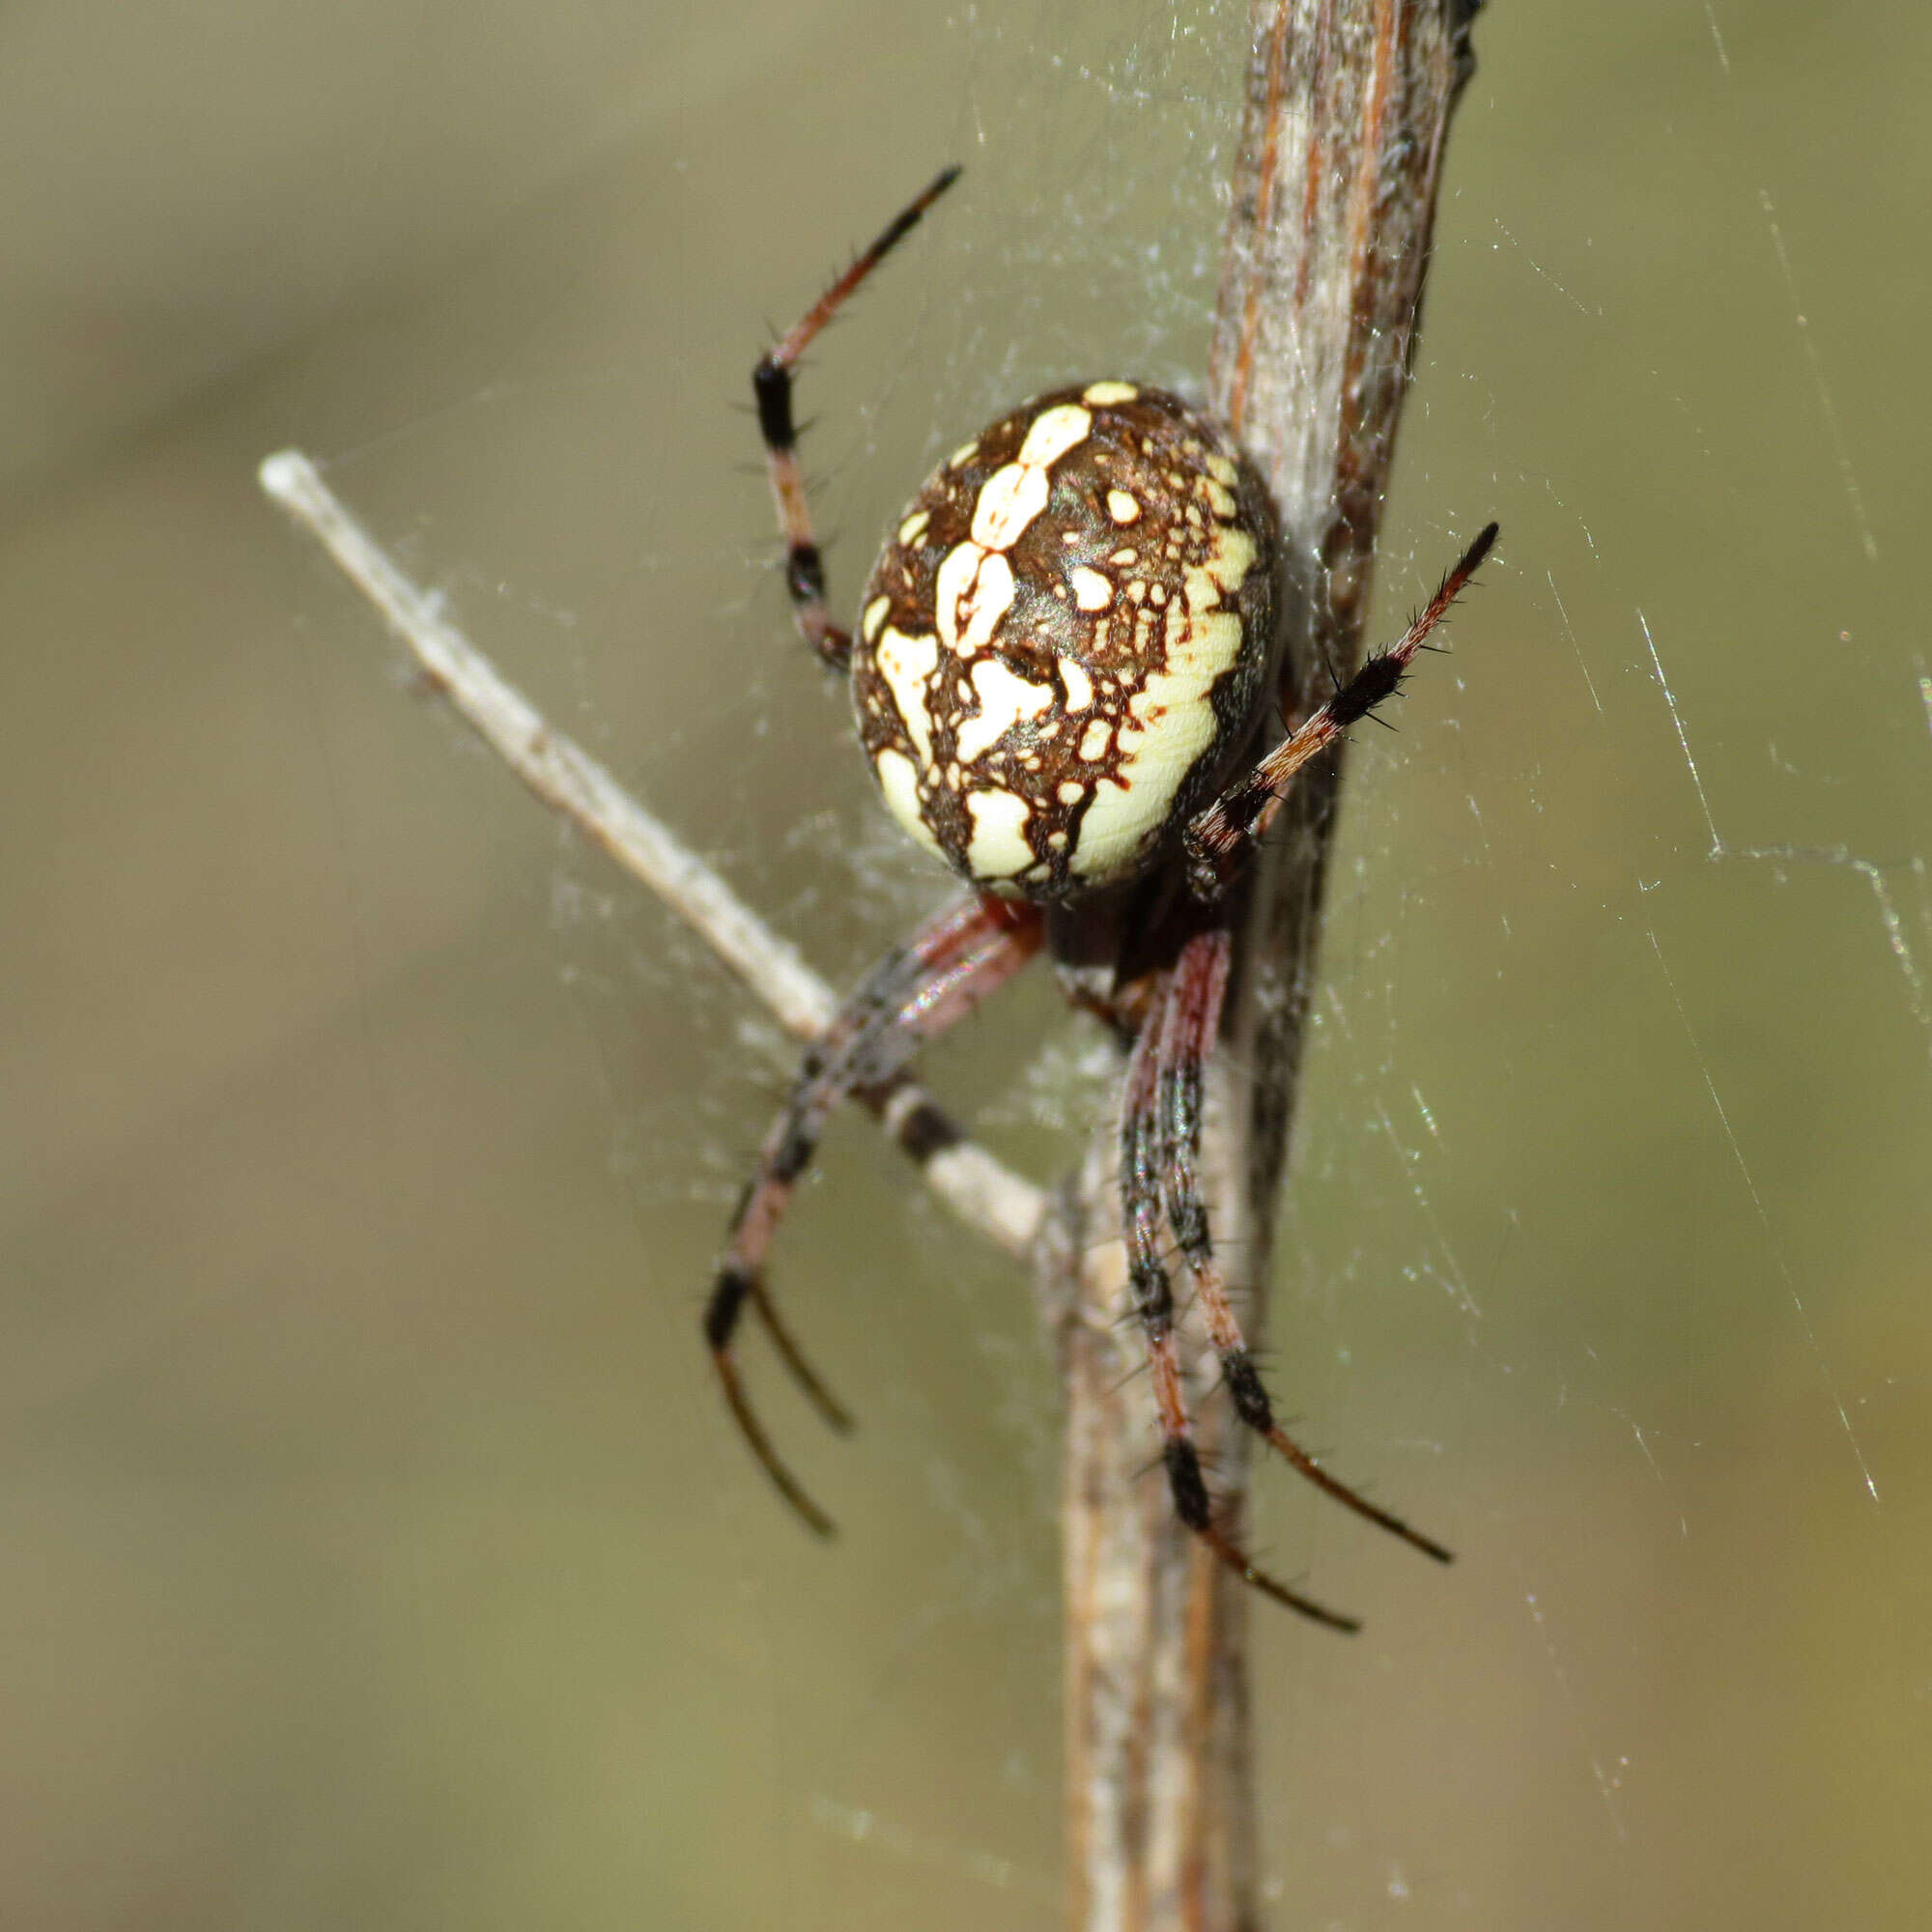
{"points": [[1066, 645]]}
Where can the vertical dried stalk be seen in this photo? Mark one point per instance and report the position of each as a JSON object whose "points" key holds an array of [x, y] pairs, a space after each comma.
{"points": [[1348, 111]]}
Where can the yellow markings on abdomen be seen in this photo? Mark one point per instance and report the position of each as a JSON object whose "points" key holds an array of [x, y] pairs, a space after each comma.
{"points": [[906, 663], [1090, 590], [1004, 700], [1011, 500], [899, 781], [972, 592], [1171, 721], [998, 848]]}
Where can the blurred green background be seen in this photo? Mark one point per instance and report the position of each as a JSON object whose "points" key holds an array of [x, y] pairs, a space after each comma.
{"points": [[372, 1545]]}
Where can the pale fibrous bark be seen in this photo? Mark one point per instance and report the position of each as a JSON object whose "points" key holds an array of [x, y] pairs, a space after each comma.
{"points": [[1329, 236], [1347, 107]]}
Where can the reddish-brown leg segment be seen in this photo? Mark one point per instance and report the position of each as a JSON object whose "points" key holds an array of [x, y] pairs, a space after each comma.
{"points": [[1142, 1163], [1188, 1027], [771, 384], [1219, 837], [914, 993]]}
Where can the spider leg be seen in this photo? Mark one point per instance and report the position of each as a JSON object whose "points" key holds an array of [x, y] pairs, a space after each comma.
{"points": [[915, 992], [1189, 1027], [1141, 1158], [771, 384], [1219, 837], [835, 1412]]}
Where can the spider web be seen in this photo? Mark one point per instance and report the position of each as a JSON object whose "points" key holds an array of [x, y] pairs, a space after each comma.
{"points": [[378, 1543]]}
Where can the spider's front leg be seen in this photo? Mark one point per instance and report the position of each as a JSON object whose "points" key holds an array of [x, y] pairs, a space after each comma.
{"points": [[770, 385], [1218, 839], [914, 993]]}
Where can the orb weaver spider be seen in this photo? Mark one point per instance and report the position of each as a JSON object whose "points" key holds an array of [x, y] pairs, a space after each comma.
{"points": [[1065, 655]]}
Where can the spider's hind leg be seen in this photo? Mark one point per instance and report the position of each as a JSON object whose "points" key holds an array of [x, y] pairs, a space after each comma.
{"points": [[1143, 1160], [1187, 1030], [915, 992]]}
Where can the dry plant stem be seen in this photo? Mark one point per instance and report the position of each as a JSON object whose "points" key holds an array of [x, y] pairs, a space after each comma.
{"points": [[983, 1193], [1334, 198]]}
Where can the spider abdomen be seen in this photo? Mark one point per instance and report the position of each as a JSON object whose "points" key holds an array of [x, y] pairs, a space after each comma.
{"points": [[1066, 640]]}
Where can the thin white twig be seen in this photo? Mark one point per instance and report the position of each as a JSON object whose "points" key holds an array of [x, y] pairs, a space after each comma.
{"points": [[978, 1188]]}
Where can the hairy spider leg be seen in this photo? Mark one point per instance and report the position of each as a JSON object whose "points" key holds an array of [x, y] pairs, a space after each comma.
{"points": [[1219, 837], [771, 384], [1189, 1027], [786, 1151], [914, 993], [1142, 1139], [923, 1131]]}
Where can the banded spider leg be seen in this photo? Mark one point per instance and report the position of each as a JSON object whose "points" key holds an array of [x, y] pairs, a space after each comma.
{"points": [[1219, 838], [771, 384], [913, 994], [1160, 1170]]}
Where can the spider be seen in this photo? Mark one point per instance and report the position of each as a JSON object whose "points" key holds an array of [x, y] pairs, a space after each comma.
{"points": [[1065, 655]]}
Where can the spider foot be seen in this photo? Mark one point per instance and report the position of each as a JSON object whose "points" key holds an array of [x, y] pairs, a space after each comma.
{"points": [[753, 1429], [835, 1412], [736, 1286], [1192, 1505], [1284, 1445], [1252, 1405], [1239, 1561]]}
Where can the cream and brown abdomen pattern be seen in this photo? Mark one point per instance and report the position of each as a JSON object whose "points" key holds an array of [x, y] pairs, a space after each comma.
{"points": [[1066, 639]]}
